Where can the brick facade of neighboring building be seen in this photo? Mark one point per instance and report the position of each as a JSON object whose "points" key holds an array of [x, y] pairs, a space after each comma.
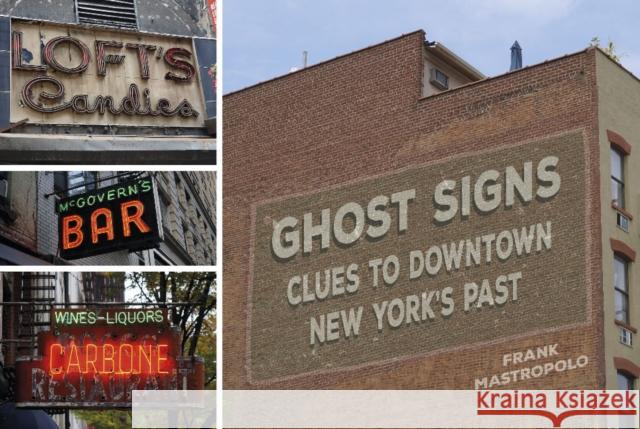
{"points": [[358, 121]]}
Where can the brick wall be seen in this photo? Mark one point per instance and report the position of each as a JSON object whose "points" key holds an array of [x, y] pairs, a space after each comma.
{"points": [[196, 213], [361, 116], [21, 204]]}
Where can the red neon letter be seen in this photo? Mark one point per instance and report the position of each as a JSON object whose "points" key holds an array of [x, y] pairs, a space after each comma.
{"points": [[136, 217], [106, 229], [57, 370], [68, 230]]}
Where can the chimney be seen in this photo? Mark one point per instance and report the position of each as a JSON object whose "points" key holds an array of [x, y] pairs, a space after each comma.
{"points": [[516, 56]]}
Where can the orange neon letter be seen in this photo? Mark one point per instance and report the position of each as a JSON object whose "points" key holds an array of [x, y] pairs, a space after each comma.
{"points": [[105, 359], [90, 361], [73, 359], [162, 359], [122, 360], [136, 217], [68, 230], [52, 370], [106, 229], [147, 358]]}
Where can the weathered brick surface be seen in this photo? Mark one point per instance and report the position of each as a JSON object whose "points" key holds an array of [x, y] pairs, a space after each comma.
{"points": [[360, 116]]}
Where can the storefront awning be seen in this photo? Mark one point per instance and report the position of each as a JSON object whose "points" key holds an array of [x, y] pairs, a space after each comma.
{"points": [[99, 149]]}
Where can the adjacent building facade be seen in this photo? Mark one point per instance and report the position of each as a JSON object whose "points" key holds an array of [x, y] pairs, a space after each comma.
{"points": [[107, 82], [394, 219], [29, 227]]}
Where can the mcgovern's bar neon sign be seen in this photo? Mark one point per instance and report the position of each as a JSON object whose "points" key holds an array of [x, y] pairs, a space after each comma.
{"points": [[122, 216]]}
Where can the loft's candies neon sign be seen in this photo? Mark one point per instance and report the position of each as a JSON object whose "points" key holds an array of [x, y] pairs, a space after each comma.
{"points": [[134, 103], [108, 359]]}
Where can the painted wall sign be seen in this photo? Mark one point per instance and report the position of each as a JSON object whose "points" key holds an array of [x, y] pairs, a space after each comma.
{"points": [[97, 365], [66, 74], [122, 216], [423, 260]]}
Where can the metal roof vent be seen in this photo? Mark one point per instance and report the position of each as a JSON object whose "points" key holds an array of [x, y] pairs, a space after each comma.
{"points": [[115, 13], [516, 56]]}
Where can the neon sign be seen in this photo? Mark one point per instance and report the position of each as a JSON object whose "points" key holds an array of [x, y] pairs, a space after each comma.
{"points": [[87, 360], [123, 216], [51, 96], [64, 318], [125, 358]]}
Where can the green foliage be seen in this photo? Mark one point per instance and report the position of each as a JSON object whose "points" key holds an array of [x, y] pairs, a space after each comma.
{"points": [[105, 419], [206, 348], [609, 49], [195, 316]]}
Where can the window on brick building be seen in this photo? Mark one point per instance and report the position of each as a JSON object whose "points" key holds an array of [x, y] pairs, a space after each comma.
{"points": [[617, 178], [621, 285], [4, 186], [80, 181], [438, 79], [6, 213], [625, 381], [164, 212]]}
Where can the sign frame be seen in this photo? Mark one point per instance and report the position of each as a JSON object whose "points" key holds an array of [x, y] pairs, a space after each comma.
{"points": [[103, 389], [137, 242]]}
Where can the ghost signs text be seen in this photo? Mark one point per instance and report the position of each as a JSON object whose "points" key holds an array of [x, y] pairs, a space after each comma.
{"points": [[122, 216], [106, 54], [451, 198]]}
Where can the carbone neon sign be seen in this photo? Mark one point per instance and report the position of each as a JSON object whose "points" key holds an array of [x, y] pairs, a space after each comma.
{"points": [[123, 358], [89, 360], [123, 216]]}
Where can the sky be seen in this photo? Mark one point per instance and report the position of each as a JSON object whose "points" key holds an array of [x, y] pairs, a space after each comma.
{"points": [[264, 39]]}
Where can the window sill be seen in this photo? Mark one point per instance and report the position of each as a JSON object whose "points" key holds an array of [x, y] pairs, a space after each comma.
{"points": [[621, 210], [626, 326]]}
